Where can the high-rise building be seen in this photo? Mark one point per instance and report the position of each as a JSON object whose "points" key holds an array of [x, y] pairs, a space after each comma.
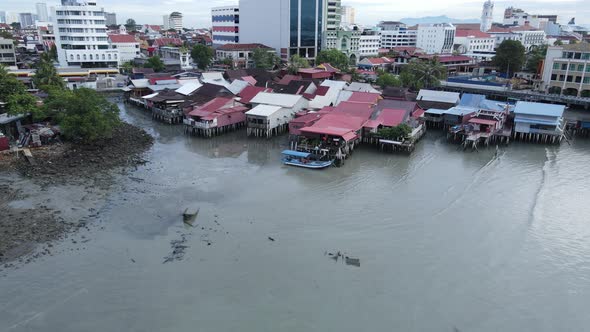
{"points": [[290, 27], [348, 15], [3, 17], [110, 18], [166, 21], [333, 15], [81, 35], [26, 19], [176, 21], [225, 25], [41, 8], [487, 16], [436, 38]]}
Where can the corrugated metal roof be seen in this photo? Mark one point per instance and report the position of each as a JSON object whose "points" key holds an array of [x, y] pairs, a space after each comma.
{"points": [[529, 108], [392, 117], [460, 110], [439, 96], [237, 86], [277, 99], [187, 89], [150, 95], [141, 83], [360, 87], [263, 110], [435, 111]]}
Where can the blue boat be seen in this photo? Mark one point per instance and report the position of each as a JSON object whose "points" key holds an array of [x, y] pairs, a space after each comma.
{"points": [[305, 160]]}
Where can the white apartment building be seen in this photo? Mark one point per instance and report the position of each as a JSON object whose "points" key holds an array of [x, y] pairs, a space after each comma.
{"points": [[127, 46], [436, 38], [475, 44], [401, 36], [333, 15], [176, 21], [527, 36], [7, 54], [42, 15], [225, 25], [166, 21], [81, 36], [348, 15], [369, 45]]}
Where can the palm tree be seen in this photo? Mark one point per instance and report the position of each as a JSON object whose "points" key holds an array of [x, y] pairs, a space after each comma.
{"points": [[425, 74]]}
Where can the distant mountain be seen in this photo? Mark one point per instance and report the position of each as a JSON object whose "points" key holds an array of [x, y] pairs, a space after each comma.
{"points": [[436, 19]]}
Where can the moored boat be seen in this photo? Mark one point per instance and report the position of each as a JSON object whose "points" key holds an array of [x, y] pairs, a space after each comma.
{"points": [[305, 160]]}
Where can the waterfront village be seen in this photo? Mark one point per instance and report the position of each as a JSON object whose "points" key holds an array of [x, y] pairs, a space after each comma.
{"points": [[331, 87]]}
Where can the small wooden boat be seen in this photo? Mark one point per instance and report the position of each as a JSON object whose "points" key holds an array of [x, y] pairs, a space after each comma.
{"points": [[305, 160], [189, 215]]}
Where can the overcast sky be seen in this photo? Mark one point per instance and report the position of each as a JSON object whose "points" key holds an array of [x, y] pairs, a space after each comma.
{"points": [[369, 12]]}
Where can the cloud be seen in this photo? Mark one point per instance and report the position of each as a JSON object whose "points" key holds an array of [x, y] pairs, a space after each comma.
{"points": [[197, 12]]}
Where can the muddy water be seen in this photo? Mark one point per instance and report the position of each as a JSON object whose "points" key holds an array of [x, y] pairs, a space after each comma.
{"points": [[447, 241]]}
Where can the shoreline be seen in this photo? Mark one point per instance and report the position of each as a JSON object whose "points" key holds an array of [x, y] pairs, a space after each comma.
{"points": [[42, 208]]}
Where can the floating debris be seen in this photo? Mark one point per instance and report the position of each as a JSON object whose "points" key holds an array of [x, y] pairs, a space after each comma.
{"points": [[352, 261], [190, 215], [178, 249], [345, 258], [271, 239]]}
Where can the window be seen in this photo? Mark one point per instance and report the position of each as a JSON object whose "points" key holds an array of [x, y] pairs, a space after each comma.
{"points": [[580, 67], [572, 67], [556, 66], [586, 80]]}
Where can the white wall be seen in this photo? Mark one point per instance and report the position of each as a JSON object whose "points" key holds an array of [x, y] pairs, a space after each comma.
{"points": [[265, 22]]}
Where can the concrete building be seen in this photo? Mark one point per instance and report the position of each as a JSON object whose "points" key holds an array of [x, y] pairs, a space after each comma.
{"points": [[475, 44], [290, 27], [436, 38], [332, 15], [369, 44], [225, 25], [127, 46], [81, 37], [110, 18], [175, 57], [566, 70], [487, 16], [395, 34], [348, 15], [240, 54], [176, 21], [528, 36], [7, 54], [518, 17], [2, 16], [345, 40], [42, 15], [166, 22], [26, 20]]}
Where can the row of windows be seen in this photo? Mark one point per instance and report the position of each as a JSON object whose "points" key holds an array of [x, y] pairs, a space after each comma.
{"points": [[95, 57], [572, 67], [68, 21], [77, 13], [6, 46], [82, 30], [576, 55], [570, 78]]}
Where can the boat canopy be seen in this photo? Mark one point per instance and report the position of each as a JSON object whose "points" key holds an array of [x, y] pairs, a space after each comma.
{"points": [[296, 153]]}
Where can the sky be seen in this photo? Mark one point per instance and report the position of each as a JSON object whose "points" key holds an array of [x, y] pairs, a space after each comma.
{"points": [[368, 12]]}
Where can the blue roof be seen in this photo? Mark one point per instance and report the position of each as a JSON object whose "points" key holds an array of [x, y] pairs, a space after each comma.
{"points": [[471, 100], [460, 110], [541, 109], [296, 153], [491, 105]]}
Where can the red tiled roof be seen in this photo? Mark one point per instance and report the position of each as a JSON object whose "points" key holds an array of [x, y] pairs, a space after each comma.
{"points": [[364, 97], [354, 109], [249, 79], [213, 105], [307, 118], [242, 47], [250, 92], [469, 33], [327, 67], [167, 41], [122, 39], [380, 61], [392, 117], [288, 78], [155, 27]]}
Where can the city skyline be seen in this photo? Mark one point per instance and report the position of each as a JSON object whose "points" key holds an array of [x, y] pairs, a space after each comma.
{"points": [[368, 12]]}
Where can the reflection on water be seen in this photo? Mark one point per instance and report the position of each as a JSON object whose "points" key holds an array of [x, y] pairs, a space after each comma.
{"points": [[472, 241]]}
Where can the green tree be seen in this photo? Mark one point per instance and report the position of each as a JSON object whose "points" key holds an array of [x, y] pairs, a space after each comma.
{"points": [[15, 25], [127, 67], [387, 79], [202, 56], [130, 25], [46, 75], [334, 57], [535, 57], [558, 43], [53, 52], [155, 63], [510, 56], [297, 63], [6, 35], [420, 74], [83, 114], [15, 95], [399, 132], [264, 59]]}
